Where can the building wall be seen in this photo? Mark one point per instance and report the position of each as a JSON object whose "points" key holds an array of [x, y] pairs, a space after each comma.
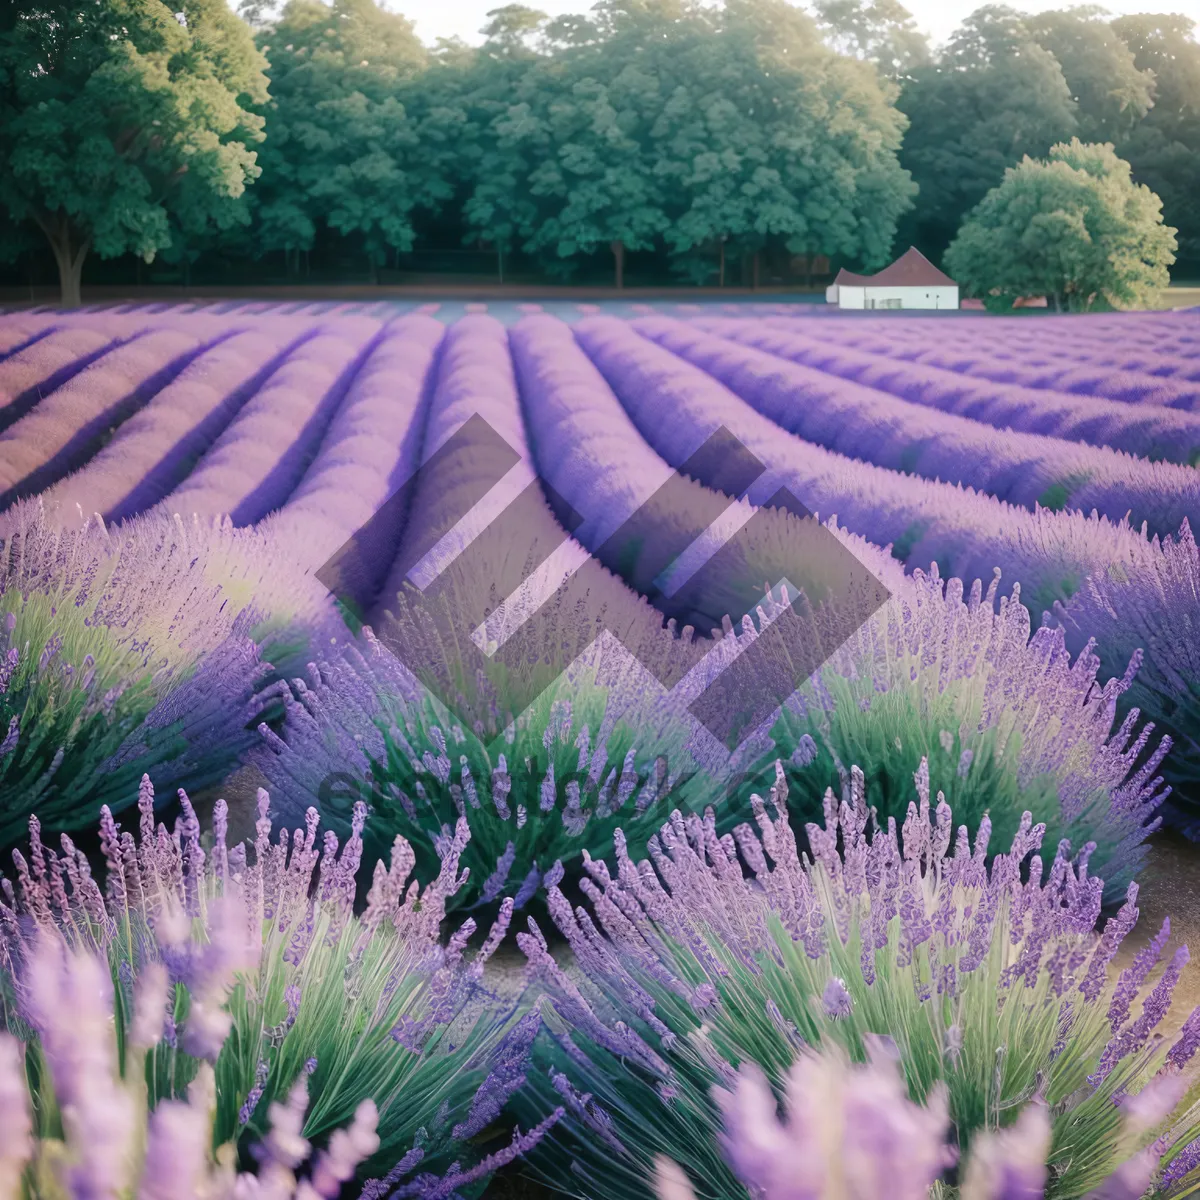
{"points": [[902, 297], [877, 297]]}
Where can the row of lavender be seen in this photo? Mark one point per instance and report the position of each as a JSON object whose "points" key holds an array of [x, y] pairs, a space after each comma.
{"points": [[305, 427], [317, 423], [992, 711], [213, 1000]]}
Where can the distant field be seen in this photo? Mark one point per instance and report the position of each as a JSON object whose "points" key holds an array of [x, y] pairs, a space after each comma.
{"points": [[1180, 296]]}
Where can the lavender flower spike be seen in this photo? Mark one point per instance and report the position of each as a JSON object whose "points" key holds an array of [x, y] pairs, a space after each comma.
{"points": [[958, 949], [1010, 1164], [69, 1002], [177, 1151], [347, 1148], [16, 1128], [836, 1001], [247, 944], [149, 1007]]}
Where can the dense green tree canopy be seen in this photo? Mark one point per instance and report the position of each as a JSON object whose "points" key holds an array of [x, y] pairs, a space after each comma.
{"points": [[671, 121], [343, 147], [1164, 148], [694, 131], [994, 97], [1074, 227], [882, 32], [125, 123], [1111, 92]]}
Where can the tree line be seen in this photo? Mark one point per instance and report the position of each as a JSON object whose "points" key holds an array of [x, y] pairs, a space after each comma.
{"points": [[707, 138]]}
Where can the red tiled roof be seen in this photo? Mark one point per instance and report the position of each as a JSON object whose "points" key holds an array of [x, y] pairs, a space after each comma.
{"points": [[911, 269]]}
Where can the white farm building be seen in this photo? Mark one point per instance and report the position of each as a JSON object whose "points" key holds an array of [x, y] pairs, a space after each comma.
{"points": [[912, 281]]}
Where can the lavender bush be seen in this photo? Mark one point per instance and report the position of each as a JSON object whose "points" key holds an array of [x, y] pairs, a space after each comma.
{"points": [[707, 554], [1023, 468], [151, 453], [990, 980], [1005, 718], [1146, 429], [852, 1133], [676, 406], [260, 456], [370, 449], [70, 424], [136, 648], [42, 363], [601, 746], [1121, 366], [434, 595], [1154, 608], [240, 978]]}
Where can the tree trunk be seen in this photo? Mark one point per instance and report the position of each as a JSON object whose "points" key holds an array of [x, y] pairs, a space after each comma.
{"points": [[618, 250], [1058, 302], [754, 281], [721, 270], [70, 271], [70, 250], [500, 259]]}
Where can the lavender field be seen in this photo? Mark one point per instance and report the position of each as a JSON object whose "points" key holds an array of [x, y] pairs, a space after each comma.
{"points": [[907, 886]]}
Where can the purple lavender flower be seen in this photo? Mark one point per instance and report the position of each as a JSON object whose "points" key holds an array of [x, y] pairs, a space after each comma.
{"points": [[165, 667], [178, 1144], [149, 1009], [1010, 1164], [855, 1125], [255, 1094], [193, 927], [837, 1002], [16, 1126], [69, 1004], [866, 926], [1023, 708], [1148, 601], [347, 1148]]}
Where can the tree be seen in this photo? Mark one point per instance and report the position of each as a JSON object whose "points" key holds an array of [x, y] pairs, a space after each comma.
{"points": [[1164, 147], [751, 149], [492, 165], [566, 170], [1074, 227], [513, 27], [343, 149], [1111, 92], [995, 97], [708, 130], [882, 32], [121, 120]]}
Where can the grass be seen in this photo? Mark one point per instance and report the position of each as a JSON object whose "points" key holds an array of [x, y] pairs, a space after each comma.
{"points": [[1179, 295]]}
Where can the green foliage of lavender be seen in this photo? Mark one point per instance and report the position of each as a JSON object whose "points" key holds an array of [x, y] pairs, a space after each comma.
{"points": [[249, 963], [852, 1131], [1007, 721], [94, 1134], [1153, 605], [134, 649], [991, 980], [597, 749]]}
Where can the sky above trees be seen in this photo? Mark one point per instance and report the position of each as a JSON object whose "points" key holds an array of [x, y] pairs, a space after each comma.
{"points": [[938, 18]]}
